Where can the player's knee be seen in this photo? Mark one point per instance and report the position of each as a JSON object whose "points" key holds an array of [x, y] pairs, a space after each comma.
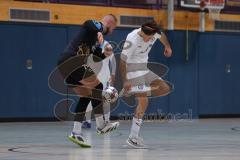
{"points": [[157, 83], [164, 86], [99, 86], [82, 91], [95, 84], [90, 82]]}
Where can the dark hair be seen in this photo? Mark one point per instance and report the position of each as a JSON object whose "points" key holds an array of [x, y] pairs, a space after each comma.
{"points": [[114, 17], [150, 28]]}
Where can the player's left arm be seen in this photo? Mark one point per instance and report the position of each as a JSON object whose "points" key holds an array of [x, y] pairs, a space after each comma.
{"points": [[95, 28], [165, 42]]}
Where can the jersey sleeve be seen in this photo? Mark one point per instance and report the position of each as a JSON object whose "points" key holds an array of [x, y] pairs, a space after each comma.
{"points": [[157, 35], [98, 55], [128, 48], [93, 27], [113, 65]]}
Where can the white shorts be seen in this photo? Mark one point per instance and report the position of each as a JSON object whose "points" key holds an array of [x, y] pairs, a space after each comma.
{"points": [[142, 83]]}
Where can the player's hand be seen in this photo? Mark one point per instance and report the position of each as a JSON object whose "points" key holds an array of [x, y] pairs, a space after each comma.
{"points": [[168, 51], [107, 54], [127, 85], [108, 51], [100, 38], [112, 80]]}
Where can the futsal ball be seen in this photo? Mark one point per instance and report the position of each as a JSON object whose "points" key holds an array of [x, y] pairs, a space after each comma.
{"points": [[110, 94]]}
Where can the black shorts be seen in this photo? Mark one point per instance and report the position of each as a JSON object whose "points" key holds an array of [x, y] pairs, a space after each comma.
{"points": [[79, 74], [74, 70]]}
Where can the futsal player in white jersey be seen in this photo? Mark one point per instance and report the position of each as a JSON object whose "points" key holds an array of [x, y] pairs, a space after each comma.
{"points": [[138, 80], [106, 76]]}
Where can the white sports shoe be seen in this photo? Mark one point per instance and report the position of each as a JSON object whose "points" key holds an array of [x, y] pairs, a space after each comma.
{"points": [[135, 142], [108, 127]]}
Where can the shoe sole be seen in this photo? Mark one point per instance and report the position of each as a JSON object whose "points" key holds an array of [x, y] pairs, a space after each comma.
{"points": [[135, 147], [105, 133], [83, 145]]}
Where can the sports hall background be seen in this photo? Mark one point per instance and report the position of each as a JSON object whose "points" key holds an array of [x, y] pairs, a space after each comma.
{"points": [[204, 67]]}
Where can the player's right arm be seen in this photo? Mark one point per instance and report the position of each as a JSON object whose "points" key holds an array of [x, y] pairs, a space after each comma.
{"points": [[128, 49], [123, 72]]}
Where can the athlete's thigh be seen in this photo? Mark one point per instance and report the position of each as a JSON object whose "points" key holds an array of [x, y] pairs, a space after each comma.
{"points": [[151, 77]]}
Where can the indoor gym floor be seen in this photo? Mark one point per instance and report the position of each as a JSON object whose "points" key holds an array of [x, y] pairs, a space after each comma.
{"points": [[205, 139]]}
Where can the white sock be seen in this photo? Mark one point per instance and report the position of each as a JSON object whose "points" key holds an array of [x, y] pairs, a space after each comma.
{"points": [[89, 112], [106, 111], [77, 127], [107, 117], [136, 124], [99, 121]]}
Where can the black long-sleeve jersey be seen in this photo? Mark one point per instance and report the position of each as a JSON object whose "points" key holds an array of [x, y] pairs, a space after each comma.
{"points": [[85, 42], [72, 63]]}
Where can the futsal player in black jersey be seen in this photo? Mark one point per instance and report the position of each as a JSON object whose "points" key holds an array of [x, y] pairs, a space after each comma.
{"points": [[75, 64]]}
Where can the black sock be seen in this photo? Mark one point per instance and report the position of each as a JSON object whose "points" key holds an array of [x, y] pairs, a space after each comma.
{"points": [[97, 104], [81, 108]]}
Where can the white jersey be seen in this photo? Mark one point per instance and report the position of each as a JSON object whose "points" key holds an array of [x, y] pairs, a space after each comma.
{"points": [[104, 74], [136, 51], [102, 68]]}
